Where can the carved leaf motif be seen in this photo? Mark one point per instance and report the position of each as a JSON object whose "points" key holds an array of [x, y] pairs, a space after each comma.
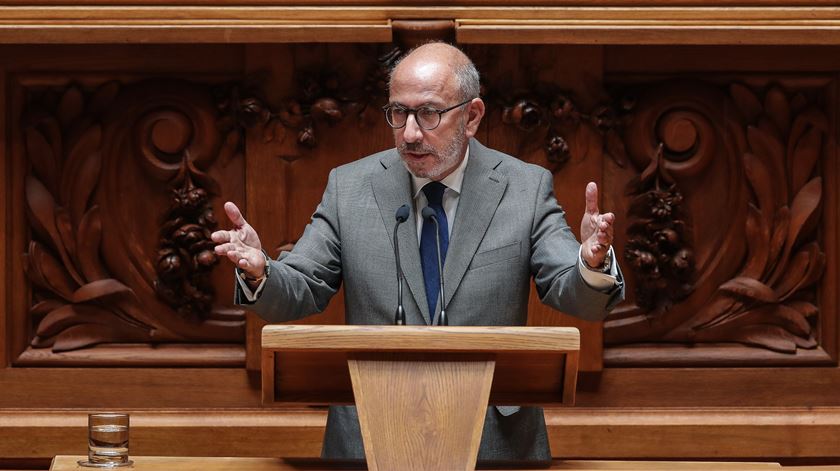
{"points": [[81, 172], [71, 106], [42, 211], [768, 336], [100, 289], [749, 288], [802, 209], [128, 309], [85, 335], [89, 239], [45, 270], [810, 342], [774, 314], [812, 118], [69, 315], [778, 109], [41, 155], [758, 233], [798, 103], [804, 157], [103, 97], [771, 301], [781, 226], [39, 342], [41, 206], [769, 151], [816, 271], [762, 183], [65, 231], [804, 307], [719, 308], [43, 307], [746, 101], [769, 127], [799, 271]]}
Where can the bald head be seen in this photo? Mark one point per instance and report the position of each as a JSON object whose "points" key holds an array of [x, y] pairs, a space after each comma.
{"points": [[434, 88], [440, 65]]}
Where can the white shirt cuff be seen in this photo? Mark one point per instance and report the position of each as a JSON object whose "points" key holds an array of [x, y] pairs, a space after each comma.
{"points": [[596, 279], [246, 290]]}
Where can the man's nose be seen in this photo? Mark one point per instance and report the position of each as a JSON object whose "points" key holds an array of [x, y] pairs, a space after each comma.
{"points": [[412, 131]]}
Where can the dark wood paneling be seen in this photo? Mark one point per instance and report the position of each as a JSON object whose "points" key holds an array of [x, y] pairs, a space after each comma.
{"points": [[709, 433], [5, 233], [127, 388], [731, 387], [728, 411], [764, 434]]}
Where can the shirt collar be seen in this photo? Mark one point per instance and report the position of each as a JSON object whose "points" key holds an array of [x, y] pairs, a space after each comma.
{"points": [[453, 181]]}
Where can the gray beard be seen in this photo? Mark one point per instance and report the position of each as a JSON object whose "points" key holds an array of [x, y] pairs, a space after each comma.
{"points": [[450, 157]]}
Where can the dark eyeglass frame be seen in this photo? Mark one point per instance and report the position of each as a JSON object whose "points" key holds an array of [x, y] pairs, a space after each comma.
{"points": [[413, 111]]}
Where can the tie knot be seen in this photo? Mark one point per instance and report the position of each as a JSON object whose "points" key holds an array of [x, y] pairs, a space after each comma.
{"points": [[434, 193]]}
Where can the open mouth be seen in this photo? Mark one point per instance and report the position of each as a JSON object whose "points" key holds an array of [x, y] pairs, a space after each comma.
{"points": [[418, 155]]}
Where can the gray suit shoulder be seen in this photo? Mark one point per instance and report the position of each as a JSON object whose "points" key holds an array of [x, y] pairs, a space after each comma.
{"points": [[371, 164], [509, 165]]}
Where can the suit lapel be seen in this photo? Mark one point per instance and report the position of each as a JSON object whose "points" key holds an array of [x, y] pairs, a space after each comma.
{"points": [[391, 191], [481, 192]]}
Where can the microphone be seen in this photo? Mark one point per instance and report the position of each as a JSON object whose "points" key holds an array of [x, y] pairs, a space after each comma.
{"points": [[429, 213], [401, 216]]}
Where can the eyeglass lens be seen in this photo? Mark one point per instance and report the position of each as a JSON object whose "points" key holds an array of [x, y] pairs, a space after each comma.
{"points": [[427, 118]]}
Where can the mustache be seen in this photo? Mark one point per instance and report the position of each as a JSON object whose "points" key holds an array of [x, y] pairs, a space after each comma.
{"points": [[416, 147]]}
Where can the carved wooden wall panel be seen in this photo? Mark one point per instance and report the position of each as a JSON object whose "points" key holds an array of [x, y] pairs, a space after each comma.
{"points": [[719, 122], [120, 198], [743, 266], [725, 216]]}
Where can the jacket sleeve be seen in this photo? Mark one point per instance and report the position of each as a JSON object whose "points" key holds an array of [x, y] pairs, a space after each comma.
{"points": [[303, 281], [554, 261]]}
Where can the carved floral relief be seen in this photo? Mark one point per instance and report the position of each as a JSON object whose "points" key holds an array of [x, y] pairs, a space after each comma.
{"points": [[108, 262], [745, 163], [567, 130]]}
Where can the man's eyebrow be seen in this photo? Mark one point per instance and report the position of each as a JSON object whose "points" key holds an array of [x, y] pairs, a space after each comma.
{"points": [[427, 104]]}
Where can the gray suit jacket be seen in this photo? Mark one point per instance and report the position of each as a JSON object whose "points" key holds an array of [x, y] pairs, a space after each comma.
{"points": [[508, 228]]}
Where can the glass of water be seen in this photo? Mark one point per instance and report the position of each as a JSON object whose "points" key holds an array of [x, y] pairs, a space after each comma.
{"points": [[107, 441]]}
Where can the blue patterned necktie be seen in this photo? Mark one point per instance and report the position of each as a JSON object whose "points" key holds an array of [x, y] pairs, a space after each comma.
{"points": [[428, 246]]}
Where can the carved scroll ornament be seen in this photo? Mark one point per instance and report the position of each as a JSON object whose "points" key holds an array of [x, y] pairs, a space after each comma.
{"points": [[95, 279], [755, 159]]}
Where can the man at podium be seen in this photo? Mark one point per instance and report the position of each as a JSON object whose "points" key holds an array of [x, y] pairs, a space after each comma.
{"points": [[492, 223]]}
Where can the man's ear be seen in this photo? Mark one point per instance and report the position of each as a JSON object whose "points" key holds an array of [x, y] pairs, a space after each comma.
{"points": [[475, 113]]}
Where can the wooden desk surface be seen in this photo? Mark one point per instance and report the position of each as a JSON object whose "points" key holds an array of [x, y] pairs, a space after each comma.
{"points": [[160, 463]]}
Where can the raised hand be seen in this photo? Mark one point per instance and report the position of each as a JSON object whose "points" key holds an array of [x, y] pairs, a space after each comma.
{"points": [[596, 230], [241, 245]]}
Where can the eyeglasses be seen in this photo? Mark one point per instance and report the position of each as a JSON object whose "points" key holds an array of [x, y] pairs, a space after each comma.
{"points": [[427, 117]]}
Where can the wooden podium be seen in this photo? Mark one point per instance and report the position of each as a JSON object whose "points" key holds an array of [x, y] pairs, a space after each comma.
{"points": [[421, 392]]}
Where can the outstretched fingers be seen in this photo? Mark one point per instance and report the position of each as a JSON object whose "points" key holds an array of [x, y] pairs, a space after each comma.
{"points": [[234, 215], [591, 198], [605, 231]]}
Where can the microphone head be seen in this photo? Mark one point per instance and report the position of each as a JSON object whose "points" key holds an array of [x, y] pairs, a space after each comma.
{"points": [[402, 213], [428, 212]]}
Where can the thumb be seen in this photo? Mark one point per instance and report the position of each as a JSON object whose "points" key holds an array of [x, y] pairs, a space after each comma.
{"points": [[591, 198], [234, 214]]}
